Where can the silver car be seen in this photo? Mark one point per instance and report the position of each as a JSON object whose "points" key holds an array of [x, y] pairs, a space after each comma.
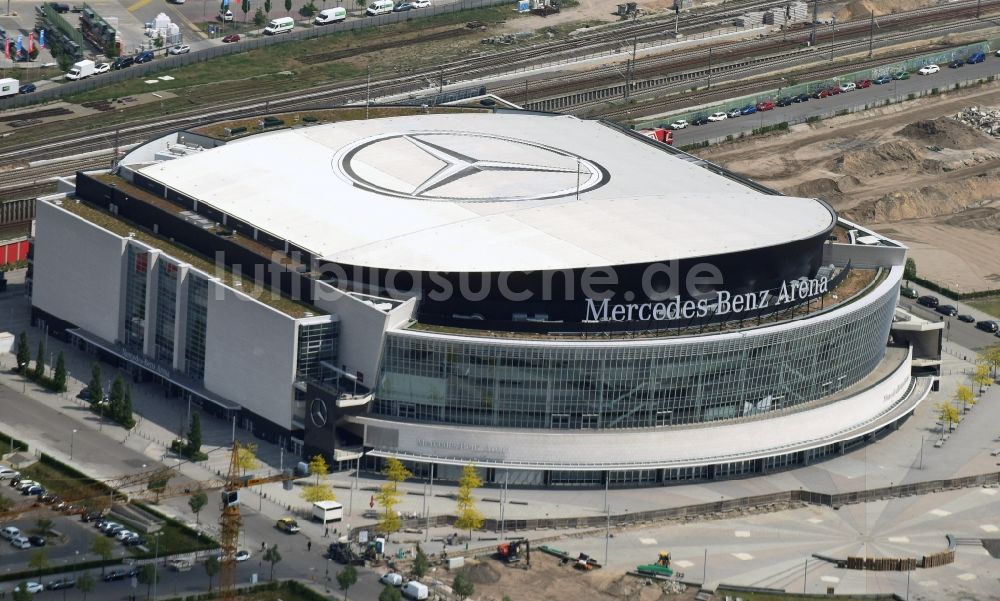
{"points": [[179, 49]]}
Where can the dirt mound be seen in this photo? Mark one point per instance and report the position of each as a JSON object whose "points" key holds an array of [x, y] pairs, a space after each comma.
{"points": [[481, 573], [984, 218], [944, 132], [890, 157], [824, 187], [953, 198], [859, 9]]}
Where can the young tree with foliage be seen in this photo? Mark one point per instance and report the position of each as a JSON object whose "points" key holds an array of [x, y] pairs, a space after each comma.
{"points": [[420, 563], [948, 413], [288, 7], [102, 547], [390, 593], [318, 467], [346, 578], [272, 556], [23, 353], [469, 518], [245, 5], [462, 586], [43, 525], [212, 567], [964, 395], [991, 357], [267, 9], [910, 269], [158, 483], [246, 457], [396, 472], [388, 498], [59, 377], [116, 397], [21, 593], [38, 561], [85, 584], [318, 492], [982, 377], [40, 362], [149, 576], [258, 18], [197, 502], [193, 447], [126, 417], [95, 386]]}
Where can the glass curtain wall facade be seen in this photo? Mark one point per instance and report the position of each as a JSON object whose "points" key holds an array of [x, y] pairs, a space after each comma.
{"points": [[166, 311], [135, 298], [317, 343], [197, 322], [632, 384]]}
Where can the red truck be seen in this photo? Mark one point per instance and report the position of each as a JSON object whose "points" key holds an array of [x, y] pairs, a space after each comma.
{"points": [[660, 134]]}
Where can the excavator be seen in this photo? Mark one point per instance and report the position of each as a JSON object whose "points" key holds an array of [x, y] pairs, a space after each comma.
{"points": [[514, 551]]}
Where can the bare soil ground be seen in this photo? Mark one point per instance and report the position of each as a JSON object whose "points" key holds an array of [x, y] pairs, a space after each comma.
{"points": [[547, 580], [910, 171]]}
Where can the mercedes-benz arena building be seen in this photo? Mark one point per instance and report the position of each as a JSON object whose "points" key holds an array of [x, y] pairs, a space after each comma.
{"points": [[558, 301]]}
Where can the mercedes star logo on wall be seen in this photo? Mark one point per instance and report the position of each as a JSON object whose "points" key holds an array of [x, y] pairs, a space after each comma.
{"points": [[465, 167], [318, 412]]}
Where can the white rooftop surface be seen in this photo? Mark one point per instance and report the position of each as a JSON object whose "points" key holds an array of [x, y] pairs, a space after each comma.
{"points": [[484, 192]]}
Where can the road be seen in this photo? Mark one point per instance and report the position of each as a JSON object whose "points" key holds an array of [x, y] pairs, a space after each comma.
{"points": [[815, 107]]}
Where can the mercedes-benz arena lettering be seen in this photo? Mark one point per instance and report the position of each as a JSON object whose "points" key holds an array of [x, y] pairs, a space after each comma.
{"points": [[558, 301]]}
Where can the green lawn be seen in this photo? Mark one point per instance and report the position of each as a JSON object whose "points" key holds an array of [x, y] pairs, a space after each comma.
{"points": [[989, 305]]}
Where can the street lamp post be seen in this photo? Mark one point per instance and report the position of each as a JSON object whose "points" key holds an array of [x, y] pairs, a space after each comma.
{"points": [[72, 439], [156, 558]]}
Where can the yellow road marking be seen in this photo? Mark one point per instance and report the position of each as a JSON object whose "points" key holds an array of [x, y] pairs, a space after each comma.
{"points": [[138, 5]]}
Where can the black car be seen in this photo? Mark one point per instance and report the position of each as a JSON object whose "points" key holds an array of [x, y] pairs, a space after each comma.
{"points": [[91, 516], [36, 541], [929, 301], [59, 7], [61, 583], [949, 310], [967, 318], [134, 541], [114, 575], [988, 325], [48, 498], [26, 88], [956, 64], [786, 101], [801, 98], [122, 62], [700, 120]]}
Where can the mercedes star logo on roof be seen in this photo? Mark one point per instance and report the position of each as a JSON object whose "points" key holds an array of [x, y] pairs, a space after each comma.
{"points": [[465, 167]]}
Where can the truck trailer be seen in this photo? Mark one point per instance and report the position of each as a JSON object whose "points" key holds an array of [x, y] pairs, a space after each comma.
{"points": [[9, 87]]}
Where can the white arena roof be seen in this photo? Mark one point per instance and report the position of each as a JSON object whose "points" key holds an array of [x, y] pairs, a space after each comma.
{"points": [[484, 192]]}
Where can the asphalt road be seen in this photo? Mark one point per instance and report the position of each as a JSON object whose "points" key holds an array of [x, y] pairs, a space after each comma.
{"points": [[800, 112]]}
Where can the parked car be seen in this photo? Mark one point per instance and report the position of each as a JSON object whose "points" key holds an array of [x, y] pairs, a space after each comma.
{"points": [[10, 532], [48, 498], [881, 79], [801, 98], [21, 485], [956, 64], [101, 68], [225, 16], [928, 69], [7, 472], [421, 3], [90, 516], [765, 105], [123, 534], [122, 62], [785, 101], [402, 7], [988, 325], [821, 93], [748, 109], [833, 90], [144, 57], [948, 310], [59, 7], [732, 114], [229, 39], [700, 120], [30, 586], [901, 75], [242, 555], [391, 578], [20, 542], [863, 83], [849, 86], [679, 124], [36, 541], [965, 317], [61, 583], [929, 301], [720, 116], [36, 490], [978, 57], [26, 88], [908, 292], [994, 452], [179, 49]]}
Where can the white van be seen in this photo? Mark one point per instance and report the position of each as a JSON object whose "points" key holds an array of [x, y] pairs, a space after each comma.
{"points": [[379, 7], [331, 15], [414, 590], [280, 25], [10, 532]]}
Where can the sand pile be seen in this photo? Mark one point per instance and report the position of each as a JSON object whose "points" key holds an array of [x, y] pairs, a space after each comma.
{"points": [[944, 132], [883, 159], [952, 198], [859, 9]]}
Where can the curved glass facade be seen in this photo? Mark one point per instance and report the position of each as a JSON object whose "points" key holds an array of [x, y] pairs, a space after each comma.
{"points": [[632, 383]]}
